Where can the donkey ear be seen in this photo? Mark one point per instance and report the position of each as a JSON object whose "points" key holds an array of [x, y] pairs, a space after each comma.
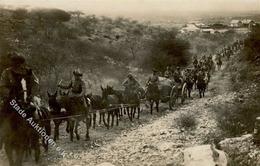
{"points": [[55, 94], [101, 88], [49, 95]]}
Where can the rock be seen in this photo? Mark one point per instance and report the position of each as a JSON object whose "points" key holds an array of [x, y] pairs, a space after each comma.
{"points": [[105, 164], [204, 155], [242, 149], [165, 146]]}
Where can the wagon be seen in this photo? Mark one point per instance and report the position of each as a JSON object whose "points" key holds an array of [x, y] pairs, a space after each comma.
{"points": [[170, 91]]}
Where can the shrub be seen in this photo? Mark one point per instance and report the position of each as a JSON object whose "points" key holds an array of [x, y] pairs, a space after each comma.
{"points": [[238, 118], [187, 121]]}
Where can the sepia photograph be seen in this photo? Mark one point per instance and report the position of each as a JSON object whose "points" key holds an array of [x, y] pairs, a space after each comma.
{"points": [[129, 82]]}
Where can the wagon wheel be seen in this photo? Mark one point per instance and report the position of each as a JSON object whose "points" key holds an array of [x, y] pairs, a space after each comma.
{"points": [[184, 92], [173, 97]]}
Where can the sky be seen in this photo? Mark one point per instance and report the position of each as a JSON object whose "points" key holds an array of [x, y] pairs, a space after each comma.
{"points": [[128, 7]]}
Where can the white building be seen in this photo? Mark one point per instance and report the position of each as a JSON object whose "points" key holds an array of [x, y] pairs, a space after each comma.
{"points": [[236, 23]]}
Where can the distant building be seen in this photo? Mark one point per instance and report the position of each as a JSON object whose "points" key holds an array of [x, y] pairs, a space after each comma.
{"points": [[248, 23], [236, 23], [218, 26], [190, 28]]}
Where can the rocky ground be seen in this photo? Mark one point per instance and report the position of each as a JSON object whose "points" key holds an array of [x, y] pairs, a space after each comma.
{"points": [[152, 140]]}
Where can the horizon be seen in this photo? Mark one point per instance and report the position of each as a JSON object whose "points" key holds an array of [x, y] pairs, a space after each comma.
{"points": [[144, 8]]}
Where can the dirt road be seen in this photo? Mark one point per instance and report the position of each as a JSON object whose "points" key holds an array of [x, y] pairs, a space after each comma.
{"points": [[152, 140]]}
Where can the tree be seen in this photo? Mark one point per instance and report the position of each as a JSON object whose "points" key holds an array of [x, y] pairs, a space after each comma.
{"points": [[167, 49], [47, 20], [252, 43]]}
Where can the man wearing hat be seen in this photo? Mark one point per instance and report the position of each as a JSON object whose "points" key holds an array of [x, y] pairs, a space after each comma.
{"points": [[16, 83], [154, 79], [77, 87], [168, 72], [11, 82], [177, 75], [131, 84]]}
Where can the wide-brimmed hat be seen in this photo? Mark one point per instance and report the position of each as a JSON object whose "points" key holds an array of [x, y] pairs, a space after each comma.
{"points": [[16, 59], [130, 75], [155, 70], [77, 73]]}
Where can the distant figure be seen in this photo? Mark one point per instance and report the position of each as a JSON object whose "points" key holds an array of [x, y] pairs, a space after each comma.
{"points": [[177, 75], [168, 72], [219, 62], [195, 62]]}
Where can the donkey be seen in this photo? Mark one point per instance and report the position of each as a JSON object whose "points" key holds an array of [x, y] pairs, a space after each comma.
{"points": [[110, 100]]}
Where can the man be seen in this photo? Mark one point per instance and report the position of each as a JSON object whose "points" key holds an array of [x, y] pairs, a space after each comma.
{"points": [[77, 89], [195, 62], [16, 83], [177, 75], [154, 79], [168, 72], [131, 84]]}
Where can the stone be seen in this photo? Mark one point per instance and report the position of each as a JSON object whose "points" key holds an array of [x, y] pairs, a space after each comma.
{"points": [[204, 155], [105, 164]]}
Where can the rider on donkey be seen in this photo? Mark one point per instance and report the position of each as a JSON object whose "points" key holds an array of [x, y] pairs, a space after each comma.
{"points": [[153, 80], [168, 72], [195, 61], [131, 84], [12, 85], [77, 89], [177, 76]]}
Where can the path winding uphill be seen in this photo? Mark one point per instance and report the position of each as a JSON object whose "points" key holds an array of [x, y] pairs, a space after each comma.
{"points": [[161, 141], [153, 140]]}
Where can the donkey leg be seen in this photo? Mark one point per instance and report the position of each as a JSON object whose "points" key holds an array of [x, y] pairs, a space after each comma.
{"points": [[104, 120], [128, 113], [108, 120], [37, 151], [113, 118], [56, 130], [138, 113], [9, 153], [71, 124], [90, 120], [134, 112], [151, 106], [94, 120], [157, 106], [48, 132], [67, 126], [76, 129], [19, 156], [87, 129], [124, 109], [100, 118], [117, 116]]}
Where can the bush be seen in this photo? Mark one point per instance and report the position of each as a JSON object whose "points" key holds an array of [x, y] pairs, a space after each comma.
{"points": [[238, 118], [167, 50], [252, 49], [187, 121]]}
